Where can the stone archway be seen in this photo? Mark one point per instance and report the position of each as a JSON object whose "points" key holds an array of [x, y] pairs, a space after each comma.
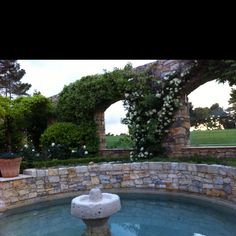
{"points": [[179, 135]]}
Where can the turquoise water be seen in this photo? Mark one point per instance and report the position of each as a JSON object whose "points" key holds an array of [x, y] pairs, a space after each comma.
{"points": [[141, 215]]}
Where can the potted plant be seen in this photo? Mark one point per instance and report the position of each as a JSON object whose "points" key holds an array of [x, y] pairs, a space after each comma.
{"points": [[9, 164]]}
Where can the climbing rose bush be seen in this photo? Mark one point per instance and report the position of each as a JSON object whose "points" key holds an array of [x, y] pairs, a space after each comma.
{"points": [[150, 112]]}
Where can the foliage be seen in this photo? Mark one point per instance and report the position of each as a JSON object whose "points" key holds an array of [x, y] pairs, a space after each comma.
{"points": [[34, 113], [8, 155], [71, 162], [150, 102], [78, 101], [119, 141], [232, 108], [151, 108], [222, 70], [125, 159], [10, 76], [63, 133], [10, 131], [214, 117], [2, 108]]}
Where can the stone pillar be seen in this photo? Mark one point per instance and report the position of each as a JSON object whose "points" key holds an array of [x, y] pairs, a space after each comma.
{"points": [[97, 227], [100, 122], [179, 133]]}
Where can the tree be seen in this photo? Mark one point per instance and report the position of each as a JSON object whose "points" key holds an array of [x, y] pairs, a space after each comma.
{"points": [[199, 116], [10, 79], [232, 109], [10, 132], [33, 113], [212, 118]]}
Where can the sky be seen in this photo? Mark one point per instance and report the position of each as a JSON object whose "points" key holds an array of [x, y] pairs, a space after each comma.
{"points": [[50, 76]]}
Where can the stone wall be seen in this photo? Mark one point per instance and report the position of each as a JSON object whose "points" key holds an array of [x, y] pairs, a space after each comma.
{"points": [[115, 152], [222, 152], [210, 180]]}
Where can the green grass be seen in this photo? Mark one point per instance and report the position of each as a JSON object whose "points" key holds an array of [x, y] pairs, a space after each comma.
{"points": [[225, 137], [118, 141]]}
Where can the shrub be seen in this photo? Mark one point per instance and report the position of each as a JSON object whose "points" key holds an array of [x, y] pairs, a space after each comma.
{"points": [[59, 138], [64, 133]]}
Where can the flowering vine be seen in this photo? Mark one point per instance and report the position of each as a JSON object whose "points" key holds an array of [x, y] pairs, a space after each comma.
{"points": [[150, 112]]}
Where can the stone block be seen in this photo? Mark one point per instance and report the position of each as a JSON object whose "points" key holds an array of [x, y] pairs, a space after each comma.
{"points": [[106, 167], [155, 166], [53, 172], [41, 173], [62, 171], [31, 172], [95, 180], [135, 166], [144, 166], [117, 167], [81, 169], [127, 184], [53, 179]]}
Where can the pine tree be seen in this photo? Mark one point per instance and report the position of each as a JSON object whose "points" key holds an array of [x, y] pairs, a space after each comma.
{"points": [[10, 79]]}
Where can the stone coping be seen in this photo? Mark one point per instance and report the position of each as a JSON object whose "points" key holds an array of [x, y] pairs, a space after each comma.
{"points": [[15, 178]]}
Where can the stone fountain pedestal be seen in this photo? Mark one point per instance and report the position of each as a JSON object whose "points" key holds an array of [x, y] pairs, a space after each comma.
{"points": [[95, 209]]}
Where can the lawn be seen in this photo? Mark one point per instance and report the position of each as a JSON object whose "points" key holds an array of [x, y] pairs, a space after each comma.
{"points": [[118, 141], [225, 137]]}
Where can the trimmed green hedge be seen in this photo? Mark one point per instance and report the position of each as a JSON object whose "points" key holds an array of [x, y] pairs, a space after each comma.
{"points": [[126, 159]]}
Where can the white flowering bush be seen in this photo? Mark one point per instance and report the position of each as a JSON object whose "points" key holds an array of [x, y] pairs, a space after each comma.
{"points": [[150, 111]]}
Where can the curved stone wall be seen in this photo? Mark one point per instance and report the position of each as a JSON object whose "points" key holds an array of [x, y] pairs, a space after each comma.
{"points": [[209, 180]]}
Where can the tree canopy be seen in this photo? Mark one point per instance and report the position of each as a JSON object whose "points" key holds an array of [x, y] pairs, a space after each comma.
{"points": [[10, 79]]}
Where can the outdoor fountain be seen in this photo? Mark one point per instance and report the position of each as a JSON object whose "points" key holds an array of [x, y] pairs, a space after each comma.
{"points": [[95, 209]]}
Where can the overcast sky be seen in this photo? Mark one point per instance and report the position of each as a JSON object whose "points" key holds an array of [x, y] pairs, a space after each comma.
{"points": [[50, 76]]}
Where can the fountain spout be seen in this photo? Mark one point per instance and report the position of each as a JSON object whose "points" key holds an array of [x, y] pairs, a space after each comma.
{"points": [[95, 209]]}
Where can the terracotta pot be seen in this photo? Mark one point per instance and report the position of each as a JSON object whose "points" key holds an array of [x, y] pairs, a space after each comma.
{"points": [[10, 167]]}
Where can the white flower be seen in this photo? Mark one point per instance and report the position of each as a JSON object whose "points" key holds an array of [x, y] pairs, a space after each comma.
{"points": [[73, 151], [33, 150], [86, 152], [26, 146], [53, 144], [142, 148], [84, 147]]}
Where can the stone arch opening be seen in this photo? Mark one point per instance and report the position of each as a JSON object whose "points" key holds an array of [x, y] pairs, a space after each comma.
{"points": [[205, 96], [113, 117]]}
